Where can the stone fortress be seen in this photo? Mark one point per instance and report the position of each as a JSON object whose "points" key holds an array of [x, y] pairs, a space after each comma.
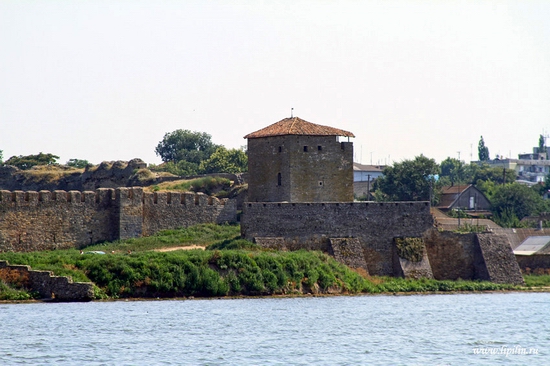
{"points": [[300, 196]]}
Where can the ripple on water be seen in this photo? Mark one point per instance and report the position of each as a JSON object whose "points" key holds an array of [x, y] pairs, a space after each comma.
{"points": [[326, 331]]}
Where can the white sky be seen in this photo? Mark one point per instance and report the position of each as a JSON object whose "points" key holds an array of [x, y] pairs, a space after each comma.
{"points": [[105, 80]]}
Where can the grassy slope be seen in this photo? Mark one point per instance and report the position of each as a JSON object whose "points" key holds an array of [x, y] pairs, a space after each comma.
{"points": [[232, 266]]}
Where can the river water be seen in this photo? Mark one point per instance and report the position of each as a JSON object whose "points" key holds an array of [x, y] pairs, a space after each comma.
{"points": [[457, 329]]}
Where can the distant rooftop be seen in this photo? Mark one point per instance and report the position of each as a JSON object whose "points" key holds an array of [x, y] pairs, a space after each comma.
{"points": [[368, 168], [450, 194], [297, 126], [532, 245]]}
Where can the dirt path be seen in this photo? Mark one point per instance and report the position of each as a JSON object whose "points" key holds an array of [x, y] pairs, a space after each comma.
{"points": [[189, 247]]}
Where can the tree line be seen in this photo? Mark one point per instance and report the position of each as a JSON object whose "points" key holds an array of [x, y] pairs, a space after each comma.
{"points": [[422, 179], [187, 153], [183, 152]]}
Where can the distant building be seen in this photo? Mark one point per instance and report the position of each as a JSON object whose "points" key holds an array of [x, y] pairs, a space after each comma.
{"points": [[466, 198], [530, 168], [298, 161], [363, 178]]}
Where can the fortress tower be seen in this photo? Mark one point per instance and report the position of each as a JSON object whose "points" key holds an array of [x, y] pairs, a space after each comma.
{"points": [[298, 161]]}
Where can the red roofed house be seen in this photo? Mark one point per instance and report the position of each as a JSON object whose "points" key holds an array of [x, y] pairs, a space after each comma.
{"points": [[298, 161]]}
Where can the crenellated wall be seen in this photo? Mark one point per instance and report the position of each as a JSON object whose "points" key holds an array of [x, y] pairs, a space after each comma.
{"points": [[54, 220], [49, 220], [170, 210]]}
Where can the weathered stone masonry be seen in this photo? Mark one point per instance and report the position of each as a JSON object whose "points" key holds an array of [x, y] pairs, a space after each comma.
{"points": [[367, 232], [312, 225], [49, 220], [60, 288]]}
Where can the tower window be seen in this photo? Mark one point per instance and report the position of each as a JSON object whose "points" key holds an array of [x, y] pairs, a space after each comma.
{"points": [[280, 148], [279, 179], [305, 148], [319, 148]]}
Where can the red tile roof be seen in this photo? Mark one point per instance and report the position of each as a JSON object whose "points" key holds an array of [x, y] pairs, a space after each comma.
{"points": [[297, 126]]}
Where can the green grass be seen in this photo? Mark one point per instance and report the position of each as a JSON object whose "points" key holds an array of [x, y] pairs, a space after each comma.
{"points": [[230, 266], [203, 234], [208, 185], [393, 285], [8, 292], [532, 280]]}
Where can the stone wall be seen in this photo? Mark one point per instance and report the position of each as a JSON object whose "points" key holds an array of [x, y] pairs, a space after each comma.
{"points": [[451, 254], [312, 225], [170, 210], [498, 259], [348, 251], [375, 227], [48, 286], [55, 220], [410, 259], [534, 263], [483, 256]]}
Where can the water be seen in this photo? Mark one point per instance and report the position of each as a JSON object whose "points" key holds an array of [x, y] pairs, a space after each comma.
{"points": [[359, 330]]}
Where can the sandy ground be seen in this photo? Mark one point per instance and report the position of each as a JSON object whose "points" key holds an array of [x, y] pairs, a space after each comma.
{"points": [[189, 247]]}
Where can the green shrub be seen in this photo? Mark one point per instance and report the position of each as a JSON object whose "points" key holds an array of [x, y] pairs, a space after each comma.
{"points": [[411, 249], [8, 292]]}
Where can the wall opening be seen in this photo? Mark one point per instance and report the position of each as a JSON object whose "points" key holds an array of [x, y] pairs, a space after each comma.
{"points": [[305, 148], [280, 149], [319, 148], [279, 179]]}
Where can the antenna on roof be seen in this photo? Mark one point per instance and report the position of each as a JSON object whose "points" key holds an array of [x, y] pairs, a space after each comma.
{"points": [[291, 114]]}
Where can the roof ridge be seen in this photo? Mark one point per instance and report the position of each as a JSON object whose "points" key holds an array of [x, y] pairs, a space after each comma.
{"points": [[292, 125], [297, 126]]}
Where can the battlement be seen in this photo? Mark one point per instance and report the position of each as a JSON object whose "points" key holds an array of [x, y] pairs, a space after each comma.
{"points": [[365, 205], [46, 220], [179, 198], [132, 196], [33, 198]]}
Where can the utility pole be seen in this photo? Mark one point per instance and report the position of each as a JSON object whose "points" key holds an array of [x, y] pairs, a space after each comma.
{"points": [[368, 187], [458, 192]]}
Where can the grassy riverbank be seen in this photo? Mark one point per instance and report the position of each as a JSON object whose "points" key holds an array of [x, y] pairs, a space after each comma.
{"points": [[230, 266]]}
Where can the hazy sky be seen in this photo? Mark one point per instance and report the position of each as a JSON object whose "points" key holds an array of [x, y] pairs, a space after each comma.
{"points": [[105, 80]]}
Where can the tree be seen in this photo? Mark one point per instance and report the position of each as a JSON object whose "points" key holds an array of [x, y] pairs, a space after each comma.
{"points": [[514, 201], [453, 169], [542, 147], [482, 150], [78, 163], [185, 145], [474, 174], [182, 168], [27, 162], [410, 180], [1, 156], [225, 161]]}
